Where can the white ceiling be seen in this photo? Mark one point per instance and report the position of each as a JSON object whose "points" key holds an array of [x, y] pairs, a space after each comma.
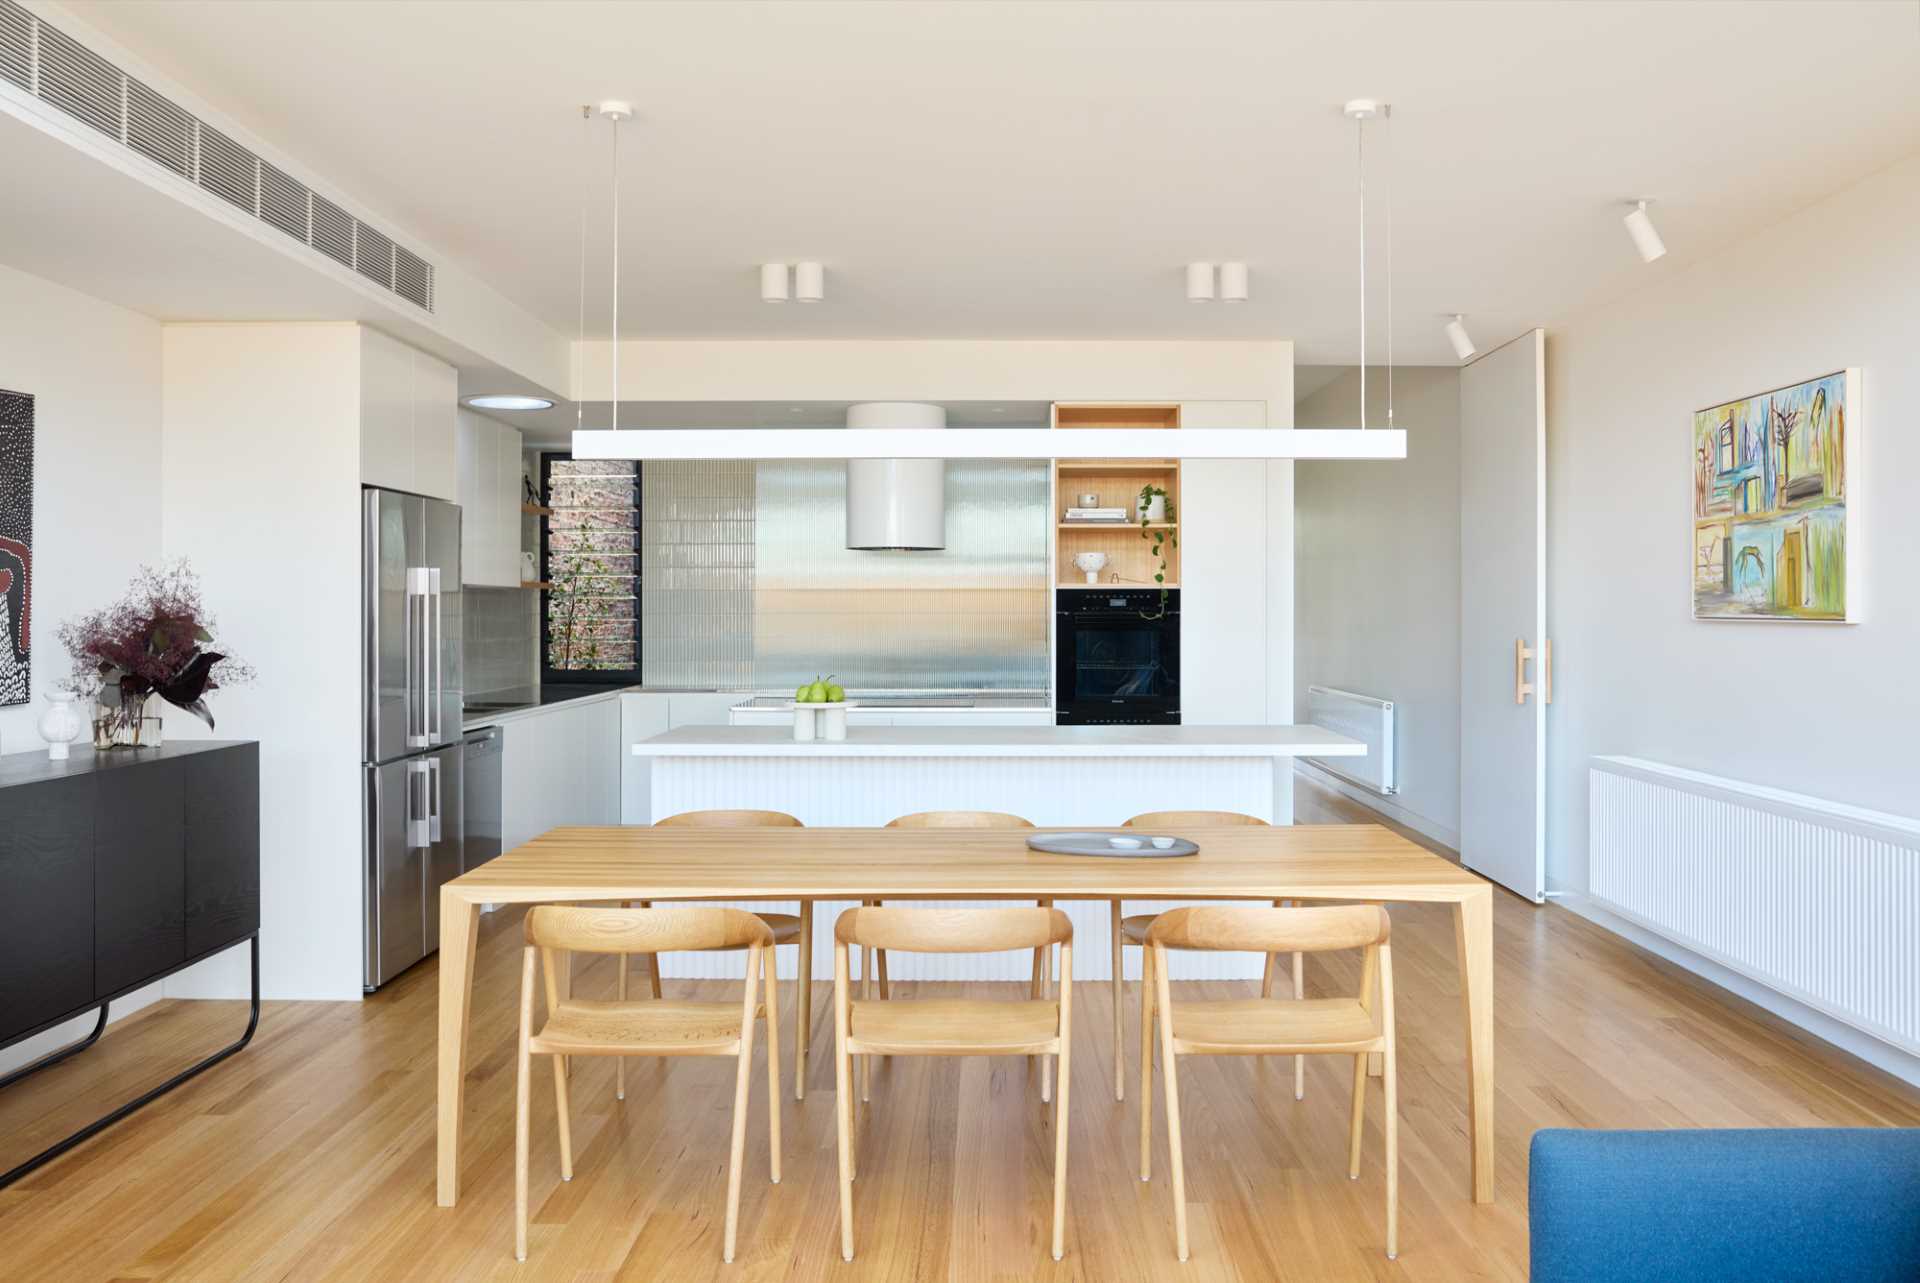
{"points": [[1039, 170]]}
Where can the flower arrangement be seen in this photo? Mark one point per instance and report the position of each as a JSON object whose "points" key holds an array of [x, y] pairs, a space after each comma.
{"points": [[156, 640]]}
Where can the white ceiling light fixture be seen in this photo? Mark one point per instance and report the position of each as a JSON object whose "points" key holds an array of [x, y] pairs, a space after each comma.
{"points": [[1645, 238], [1233, 282], [508, 401], [773, 282], [1457, 335], [809, 282], [1199, 282]]}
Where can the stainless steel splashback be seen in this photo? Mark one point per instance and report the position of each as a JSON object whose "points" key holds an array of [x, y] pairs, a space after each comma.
{"points": [[971, 616], [747, 581]]}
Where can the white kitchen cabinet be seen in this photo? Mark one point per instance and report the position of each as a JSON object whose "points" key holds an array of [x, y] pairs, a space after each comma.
{"points": [[386, 412], [642, 717], [1223, 576], [436, 399], [489, 495], [506, 446], [407, 405], [561, 766]]}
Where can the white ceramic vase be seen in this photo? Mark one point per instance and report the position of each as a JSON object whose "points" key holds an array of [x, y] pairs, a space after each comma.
{"points": [[60, 725], [1155, 509]]}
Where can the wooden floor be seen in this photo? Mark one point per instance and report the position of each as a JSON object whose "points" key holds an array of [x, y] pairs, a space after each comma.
{"points": [[311, 1154]]}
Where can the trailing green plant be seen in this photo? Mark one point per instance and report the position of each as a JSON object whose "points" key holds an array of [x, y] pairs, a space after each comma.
{"points": [[1162, 537]]}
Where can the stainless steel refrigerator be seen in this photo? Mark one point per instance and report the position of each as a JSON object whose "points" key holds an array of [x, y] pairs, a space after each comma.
{"points": [[410, 698]]}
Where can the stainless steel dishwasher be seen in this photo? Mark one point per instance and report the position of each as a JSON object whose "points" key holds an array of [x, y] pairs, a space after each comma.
{"points": [[484, 749]]}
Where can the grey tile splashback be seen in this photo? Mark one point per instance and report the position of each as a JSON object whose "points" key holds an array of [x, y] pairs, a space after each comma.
{"points": [[500, 639], [747, 581]]}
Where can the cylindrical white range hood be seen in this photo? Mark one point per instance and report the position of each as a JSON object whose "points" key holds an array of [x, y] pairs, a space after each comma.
{"points": [[897, 504]]}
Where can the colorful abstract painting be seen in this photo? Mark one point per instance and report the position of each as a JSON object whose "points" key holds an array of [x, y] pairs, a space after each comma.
{"points": [[1772, 530], [16, 540]]}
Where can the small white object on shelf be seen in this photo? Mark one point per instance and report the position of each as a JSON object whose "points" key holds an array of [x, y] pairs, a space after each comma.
{"points": [[60, 725], [1090, 564]]}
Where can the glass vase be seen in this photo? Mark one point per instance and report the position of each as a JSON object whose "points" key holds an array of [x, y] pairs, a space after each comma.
{"points": [[127, 724]]}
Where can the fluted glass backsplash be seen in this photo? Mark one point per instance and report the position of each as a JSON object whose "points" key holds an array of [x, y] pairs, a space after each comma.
{"points": [[747, 581]]}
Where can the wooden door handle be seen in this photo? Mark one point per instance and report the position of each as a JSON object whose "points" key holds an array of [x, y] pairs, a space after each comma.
{"points": [[1521, 686]]}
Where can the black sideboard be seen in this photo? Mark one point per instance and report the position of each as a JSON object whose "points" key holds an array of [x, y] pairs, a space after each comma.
{"points": [[118, 869]]}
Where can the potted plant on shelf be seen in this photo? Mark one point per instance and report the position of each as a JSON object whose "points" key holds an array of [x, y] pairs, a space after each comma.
{"points": [[155, 641], [1156, 517]]}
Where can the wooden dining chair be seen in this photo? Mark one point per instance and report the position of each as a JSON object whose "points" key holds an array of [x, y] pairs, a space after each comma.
{"points": [[951, 1026], [1133, 931], [588, 1027], [1040, 983], [1354, 1027], [786, 927]]}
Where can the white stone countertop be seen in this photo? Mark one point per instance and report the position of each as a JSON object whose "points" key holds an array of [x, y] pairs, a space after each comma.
{"points": [[1006, 741]]}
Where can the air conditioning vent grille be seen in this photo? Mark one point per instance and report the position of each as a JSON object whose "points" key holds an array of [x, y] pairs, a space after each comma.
{"points": [[332, 230], [283, 200], [158, 130], [79, 81], [226, 168], [412, 277], [16, 45], [62, 72]]}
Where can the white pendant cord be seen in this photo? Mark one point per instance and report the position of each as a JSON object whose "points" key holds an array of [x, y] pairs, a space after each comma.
{"points": [[580, 349], [1390, 166], [616, 273], [1360, 169]]}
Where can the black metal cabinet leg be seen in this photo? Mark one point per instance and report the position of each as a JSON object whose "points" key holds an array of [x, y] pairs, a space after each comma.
{"points": [[94, 1128]]}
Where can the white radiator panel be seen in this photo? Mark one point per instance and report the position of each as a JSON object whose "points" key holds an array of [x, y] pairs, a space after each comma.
{"points": [[1817, 900], [1048, 791], [1366, 719]]}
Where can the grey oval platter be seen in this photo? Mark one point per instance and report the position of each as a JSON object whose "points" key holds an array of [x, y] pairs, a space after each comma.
{"points": [[1098, 844]]}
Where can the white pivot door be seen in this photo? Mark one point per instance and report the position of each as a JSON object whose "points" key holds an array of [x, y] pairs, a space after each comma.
{"points": [[1506, 664]]}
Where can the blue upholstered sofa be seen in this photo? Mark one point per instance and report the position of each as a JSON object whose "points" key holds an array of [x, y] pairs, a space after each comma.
{"points": [[1809, 1205]]}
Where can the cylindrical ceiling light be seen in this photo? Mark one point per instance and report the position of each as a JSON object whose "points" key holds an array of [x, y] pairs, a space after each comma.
{"points": [[773, 282], [1233, 282], [1645, 238], [1199, 282], [809, 282], [1457, 335]]}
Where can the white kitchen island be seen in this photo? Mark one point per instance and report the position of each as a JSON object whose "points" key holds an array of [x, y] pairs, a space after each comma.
{"points": [[1055, 776]]}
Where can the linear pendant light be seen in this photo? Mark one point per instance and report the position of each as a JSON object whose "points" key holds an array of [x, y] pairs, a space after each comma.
{"points": [[1022, 443]]}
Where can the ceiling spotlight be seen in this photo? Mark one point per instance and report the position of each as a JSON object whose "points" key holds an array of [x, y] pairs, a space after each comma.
{"points": [[506, 401], [1457, 335], [1199, 282], [773, 282], [1233, 282], [809, 282], [1645, 238]]}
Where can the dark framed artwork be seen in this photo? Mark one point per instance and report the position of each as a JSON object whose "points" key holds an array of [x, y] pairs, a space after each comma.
{"points": [[16, 544]]}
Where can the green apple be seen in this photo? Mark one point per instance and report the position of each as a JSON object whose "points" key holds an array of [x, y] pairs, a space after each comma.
{"points": [[817, 693], [836, 694], [800, 695]]}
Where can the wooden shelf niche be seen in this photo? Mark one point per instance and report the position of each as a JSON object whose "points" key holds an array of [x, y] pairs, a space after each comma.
{"points": [[1118, 483]]}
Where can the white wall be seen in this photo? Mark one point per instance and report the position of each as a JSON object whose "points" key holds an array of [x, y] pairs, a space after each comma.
{"points": [[1377, 582], [262, 491], [1822, 709], [1816, 708], [94, 372]]}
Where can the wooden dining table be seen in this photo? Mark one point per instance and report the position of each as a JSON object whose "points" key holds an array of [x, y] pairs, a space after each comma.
{"points": [[1290, 862]]}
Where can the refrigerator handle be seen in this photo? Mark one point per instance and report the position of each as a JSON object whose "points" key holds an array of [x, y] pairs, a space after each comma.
{"points": [[419, 788], [434, 798], [436, 688], [418, 667]]}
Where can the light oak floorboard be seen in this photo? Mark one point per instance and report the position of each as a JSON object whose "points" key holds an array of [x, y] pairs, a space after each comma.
{"points": [[310, 1155]]}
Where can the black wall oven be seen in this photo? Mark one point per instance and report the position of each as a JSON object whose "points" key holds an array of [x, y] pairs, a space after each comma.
{"points": [[1117, 656]]}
